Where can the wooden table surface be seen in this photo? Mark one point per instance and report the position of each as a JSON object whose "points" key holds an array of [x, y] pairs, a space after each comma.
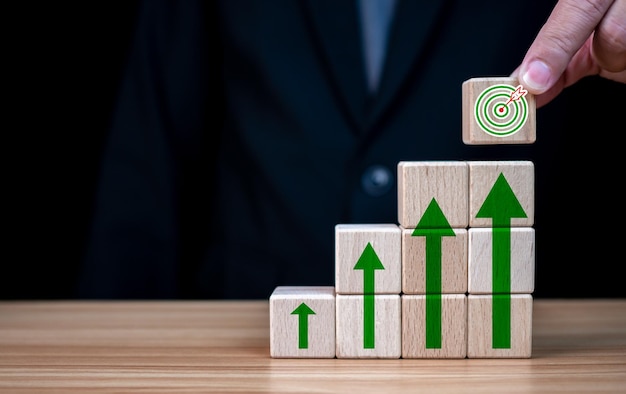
{"points": [[579, 346]]}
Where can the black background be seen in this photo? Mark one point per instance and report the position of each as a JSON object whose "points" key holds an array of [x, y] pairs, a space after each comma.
{"points": [[65, 65], [66, 62]]}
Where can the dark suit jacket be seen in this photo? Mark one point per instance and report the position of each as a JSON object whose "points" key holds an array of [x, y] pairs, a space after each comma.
{"points": [[244, 133]]}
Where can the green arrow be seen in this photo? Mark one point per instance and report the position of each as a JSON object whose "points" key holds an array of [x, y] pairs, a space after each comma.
{"points": [[433, 225], [501, 321], [368, 262], [501, 205], [303, 311]]}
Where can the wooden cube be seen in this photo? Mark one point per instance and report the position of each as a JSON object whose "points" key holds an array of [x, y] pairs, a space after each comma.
{"points": [[367, 259], [514, 261], [368, 326], [419, 182], [434, 326], [439, 261], [497, 110], [302, 322], [499, 326], [501, 193]]}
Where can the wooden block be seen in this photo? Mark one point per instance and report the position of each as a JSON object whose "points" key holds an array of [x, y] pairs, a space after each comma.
{"points": [[302, 322], [419, 182], [518, 260], [513, 334], [434, 326], [497, 110], [369, 326], [502, 192], [445, 264], [368, 259]]}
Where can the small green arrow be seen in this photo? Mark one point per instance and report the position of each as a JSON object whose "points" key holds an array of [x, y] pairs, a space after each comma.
{"points": [[433, 225], [368, 262], [501, 205], [303, 311]]}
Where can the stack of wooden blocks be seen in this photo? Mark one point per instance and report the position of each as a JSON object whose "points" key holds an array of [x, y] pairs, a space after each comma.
{"points": [[453, 278]]}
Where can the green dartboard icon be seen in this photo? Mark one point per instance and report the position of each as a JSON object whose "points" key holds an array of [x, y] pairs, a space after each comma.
{"points": [[501, 111]]}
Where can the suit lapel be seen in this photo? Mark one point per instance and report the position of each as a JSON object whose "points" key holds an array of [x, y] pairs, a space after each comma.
{"points": [[409, 35], [336, 28], [335, 25]]}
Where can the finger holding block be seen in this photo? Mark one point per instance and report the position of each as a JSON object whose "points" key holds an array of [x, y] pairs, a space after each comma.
{"points": [[497, 110]]}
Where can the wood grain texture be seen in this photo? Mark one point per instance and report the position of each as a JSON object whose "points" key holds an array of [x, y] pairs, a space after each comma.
{"points": [[453, 263], [351, 322], [522, 259], [502, 124], [480, 333], [579, 346], [350, 243], [287, 325], [419, 182], [453, 327], [519, 175]]}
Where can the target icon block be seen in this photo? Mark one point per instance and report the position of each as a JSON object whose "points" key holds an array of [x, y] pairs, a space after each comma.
{"points": [[497, 110]]}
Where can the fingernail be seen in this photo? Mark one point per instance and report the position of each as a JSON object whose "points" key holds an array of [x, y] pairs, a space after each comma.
{"points": [[537, 76]]}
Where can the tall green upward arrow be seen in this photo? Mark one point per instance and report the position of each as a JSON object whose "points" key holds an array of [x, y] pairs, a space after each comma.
{"points": [[501, 205], [303, 311], [368, 262], [433, 225]]}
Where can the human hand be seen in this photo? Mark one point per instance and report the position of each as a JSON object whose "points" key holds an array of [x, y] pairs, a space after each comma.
{"points": [[579, 39]]}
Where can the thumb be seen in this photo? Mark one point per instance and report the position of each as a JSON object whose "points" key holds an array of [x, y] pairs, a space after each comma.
{"points": [[567, 28]]}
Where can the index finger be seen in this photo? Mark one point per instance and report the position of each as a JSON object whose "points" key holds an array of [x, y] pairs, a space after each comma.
{"points": [[565, 31]]}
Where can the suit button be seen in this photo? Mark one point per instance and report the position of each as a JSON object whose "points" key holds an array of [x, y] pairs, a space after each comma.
{"points": [[377, 180]]}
